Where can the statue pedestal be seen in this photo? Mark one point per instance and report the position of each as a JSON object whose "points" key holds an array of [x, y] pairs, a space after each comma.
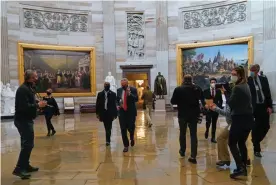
{"points": [[160, 105]]}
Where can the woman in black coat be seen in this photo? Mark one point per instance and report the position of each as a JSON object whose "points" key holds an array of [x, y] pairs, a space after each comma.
{"points": [[50, 110]]}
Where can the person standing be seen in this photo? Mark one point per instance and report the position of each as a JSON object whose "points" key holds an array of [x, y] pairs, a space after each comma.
{"points": [[187, 97], [49, 111], [211, 116], [148, 97], [25, 112], [106, 109], [262, 106], [242, 120], [126, 104]]}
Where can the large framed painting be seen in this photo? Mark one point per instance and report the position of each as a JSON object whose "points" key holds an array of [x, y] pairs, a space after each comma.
{"points": [[68, 71], [213, 59]]}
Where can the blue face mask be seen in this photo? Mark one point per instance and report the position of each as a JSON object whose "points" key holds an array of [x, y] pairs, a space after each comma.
{"points": [[252, 74]]}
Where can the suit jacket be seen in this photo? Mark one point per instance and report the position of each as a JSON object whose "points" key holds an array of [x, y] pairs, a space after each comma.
{"points": [[131, 100], [217, 99], [265, 89], [111, 105], [187, 97]]}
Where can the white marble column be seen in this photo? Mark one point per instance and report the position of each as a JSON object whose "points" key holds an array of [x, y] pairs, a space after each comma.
{"points": [[5, 77], [269, 45], [109, 38], [162, 54]]}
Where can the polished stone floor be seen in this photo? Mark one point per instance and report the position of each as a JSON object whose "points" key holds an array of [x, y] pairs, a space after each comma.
{"points": [[77, 155]]}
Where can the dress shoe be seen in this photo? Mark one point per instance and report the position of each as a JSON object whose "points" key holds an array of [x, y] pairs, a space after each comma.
{"points": [[239, 172], [48, 134], [181, 153], [32, 169], [222, 163], [125, 149], [206, 134], [107, 144], [53, 132], [132, 142], [192, 160], [258, 154], [21, 173], [213, 140]]}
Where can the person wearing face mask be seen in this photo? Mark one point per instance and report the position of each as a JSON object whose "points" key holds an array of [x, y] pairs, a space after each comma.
{"points": [[25, 112], [49, 111], [126, 104], [240, 104], [211, 116], [106, 109], [262, 106]]}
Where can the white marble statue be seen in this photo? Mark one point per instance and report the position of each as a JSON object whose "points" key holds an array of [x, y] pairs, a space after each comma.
{"points": [[112, 82], [8, 100]]}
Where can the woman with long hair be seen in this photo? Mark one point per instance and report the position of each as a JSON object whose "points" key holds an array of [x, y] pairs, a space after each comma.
{"points": [[242, 120], [49, 111]]}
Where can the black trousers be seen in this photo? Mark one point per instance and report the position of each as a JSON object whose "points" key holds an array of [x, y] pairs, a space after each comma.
{"points": [[238, 134], [48, 117], [193, 134], [261, 126], [26, 131], [212, 117], [127, 124], [107, 120]]}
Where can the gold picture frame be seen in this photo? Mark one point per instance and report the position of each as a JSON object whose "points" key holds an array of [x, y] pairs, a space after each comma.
{"points": [[92, 70], [180, 47]]}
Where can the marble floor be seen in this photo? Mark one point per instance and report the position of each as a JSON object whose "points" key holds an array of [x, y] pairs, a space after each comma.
{"points": [[77, 155]]}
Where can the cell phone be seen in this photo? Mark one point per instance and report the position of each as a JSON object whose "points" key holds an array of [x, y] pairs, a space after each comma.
{"points": [[219, 85]]}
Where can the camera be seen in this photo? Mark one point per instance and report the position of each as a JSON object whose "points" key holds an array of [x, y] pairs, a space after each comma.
{"points": [[219, 85]]}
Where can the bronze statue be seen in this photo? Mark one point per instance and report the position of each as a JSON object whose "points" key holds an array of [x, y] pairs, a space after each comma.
{"points": [[160, 87]]}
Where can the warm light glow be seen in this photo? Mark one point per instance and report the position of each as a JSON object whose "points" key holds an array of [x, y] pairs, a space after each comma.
{"points": [[140, 82]]}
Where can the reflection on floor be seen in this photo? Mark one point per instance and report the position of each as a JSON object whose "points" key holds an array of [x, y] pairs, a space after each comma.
{"points": [[77, 155]]}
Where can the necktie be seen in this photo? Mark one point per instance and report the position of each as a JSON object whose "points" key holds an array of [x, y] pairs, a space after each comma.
{"points": [[125, 101], [105, 102], [213, 92], [259, 94]]}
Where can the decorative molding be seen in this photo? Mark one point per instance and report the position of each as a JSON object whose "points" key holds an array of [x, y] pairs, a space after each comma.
{"points": [[135, 35], [214, 16], [56, 21]]}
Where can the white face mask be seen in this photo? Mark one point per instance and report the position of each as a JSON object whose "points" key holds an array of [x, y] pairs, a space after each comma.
{"points": [[213, 85], [234, 79]]}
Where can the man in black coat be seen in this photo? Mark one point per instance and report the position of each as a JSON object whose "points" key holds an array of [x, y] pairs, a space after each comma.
{"points": [[187, 97], [106, 109], [262, 107], [211, 116], [25, 112], [126, 105]]}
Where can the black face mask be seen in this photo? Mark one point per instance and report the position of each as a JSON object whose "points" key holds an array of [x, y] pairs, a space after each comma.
{"points": [[48, 93], [107, 87]]}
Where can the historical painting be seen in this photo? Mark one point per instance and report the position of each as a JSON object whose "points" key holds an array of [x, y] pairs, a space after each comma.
{"points": [[135, 36], [211, 60], [68, 71]]}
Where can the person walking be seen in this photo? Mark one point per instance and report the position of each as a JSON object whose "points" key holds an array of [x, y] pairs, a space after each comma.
{"points": [[126, 105], [49, 111], [262, 106], [106, 109], [148, 97], [25, 112], [212, 117], [187, 97], [240, 104]]}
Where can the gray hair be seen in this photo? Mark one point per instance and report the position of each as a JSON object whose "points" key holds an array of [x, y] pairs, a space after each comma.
{"points": [[28, 74], [124, 79]]}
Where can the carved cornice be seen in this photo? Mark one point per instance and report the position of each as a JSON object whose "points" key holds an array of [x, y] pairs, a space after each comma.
{"points": [[213, 15], [57, 21]]}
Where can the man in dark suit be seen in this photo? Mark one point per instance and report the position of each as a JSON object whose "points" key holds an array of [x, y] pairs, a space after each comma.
{"points": [[187, 97], [262, 107], [106, 109], [211, 116], [126, 105]]}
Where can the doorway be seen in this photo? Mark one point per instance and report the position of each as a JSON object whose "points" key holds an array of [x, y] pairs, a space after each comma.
{"points": [[139, 77]]}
